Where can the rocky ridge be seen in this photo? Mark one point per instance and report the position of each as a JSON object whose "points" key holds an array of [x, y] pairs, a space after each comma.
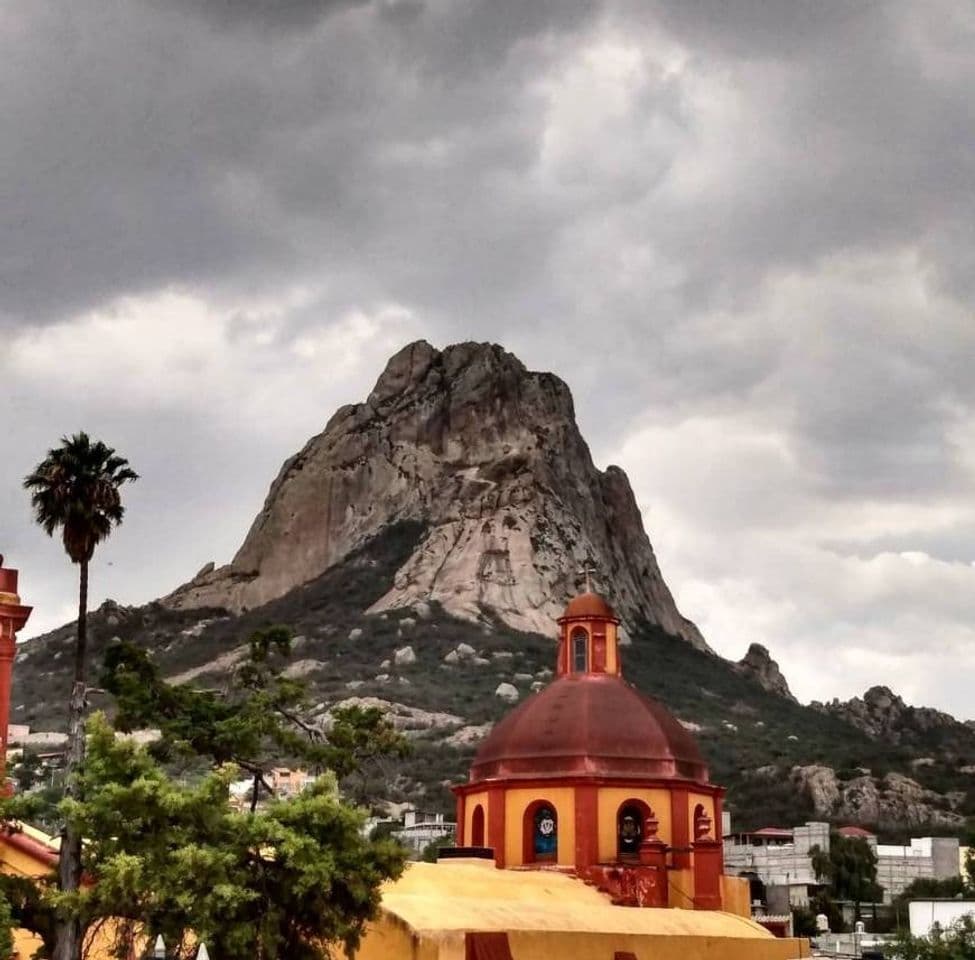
{"points": [[488, 455], [759, 665], [882, 713], [891, 799]]}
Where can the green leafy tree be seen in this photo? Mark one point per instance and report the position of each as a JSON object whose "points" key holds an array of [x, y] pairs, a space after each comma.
{"points": [[76, 489], [288, 881], [849, 867], [957, 942], [256, 721]]}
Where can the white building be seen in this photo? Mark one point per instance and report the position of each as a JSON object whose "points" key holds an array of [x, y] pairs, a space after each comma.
{"points": [[897, 866], [780, 857], [924, 914], [420, 829]]}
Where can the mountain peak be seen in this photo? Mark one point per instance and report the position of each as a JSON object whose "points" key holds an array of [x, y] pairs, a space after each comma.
{"points": [[486, 454]]}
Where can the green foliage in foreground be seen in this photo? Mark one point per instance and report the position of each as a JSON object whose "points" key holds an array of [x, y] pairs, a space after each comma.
{"points": [[957, 942], [256, 720], [284, 882]]}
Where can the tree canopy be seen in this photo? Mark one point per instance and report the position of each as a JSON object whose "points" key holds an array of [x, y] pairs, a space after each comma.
{"points": [[76, 488], [957, 942], [849, 868], [284, 882], [256, 720]]}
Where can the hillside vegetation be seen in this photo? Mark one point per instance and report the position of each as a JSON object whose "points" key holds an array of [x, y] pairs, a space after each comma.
{"points": [[753, 740]]}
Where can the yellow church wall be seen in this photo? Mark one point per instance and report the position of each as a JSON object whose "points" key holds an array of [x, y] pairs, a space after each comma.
{"points": [[736, 896], [600, 946], [680, 889], [608, 803], [14, 861], [470, 802], [517, 801]]}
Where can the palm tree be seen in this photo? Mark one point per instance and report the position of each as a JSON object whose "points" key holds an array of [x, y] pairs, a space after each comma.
{"points": [[75, 488]]}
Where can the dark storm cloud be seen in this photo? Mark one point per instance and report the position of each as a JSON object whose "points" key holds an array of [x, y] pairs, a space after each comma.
{"points": [[739, 226], [265, 14]]}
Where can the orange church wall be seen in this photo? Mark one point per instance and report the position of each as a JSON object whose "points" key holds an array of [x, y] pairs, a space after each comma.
{"points": [[470, 802], [736, 896], [609, 802], [517, 801]]}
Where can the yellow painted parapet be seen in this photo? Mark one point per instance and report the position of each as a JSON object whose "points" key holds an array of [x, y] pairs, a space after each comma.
{"points": [[426, 914]]}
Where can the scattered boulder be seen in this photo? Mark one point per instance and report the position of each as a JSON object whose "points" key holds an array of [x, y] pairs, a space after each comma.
{"points": [[508, 692], [301, 668], [405, 718], [465, 736], [465, 650], [452, 657], [524, 677], [404, 656], [355, 633]]}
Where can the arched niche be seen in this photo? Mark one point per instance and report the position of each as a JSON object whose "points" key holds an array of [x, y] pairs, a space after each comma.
{"points": [[540, 832], [635, 822], [477, 827]]}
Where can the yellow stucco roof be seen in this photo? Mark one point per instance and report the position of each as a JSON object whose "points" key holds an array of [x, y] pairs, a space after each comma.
{"points": [[460, 896]]}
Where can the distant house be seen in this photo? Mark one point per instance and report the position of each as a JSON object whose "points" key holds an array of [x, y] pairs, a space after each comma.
{"points": [[421, 829], [780, 857]]}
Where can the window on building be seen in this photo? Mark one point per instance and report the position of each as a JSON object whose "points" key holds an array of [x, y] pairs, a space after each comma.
{"points": [[629, 830], [477, 827], [545, 833], [580, 650]]}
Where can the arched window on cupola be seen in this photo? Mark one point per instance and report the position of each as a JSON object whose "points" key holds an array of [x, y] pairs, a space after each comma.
{"points": [[541, 833], [635, 822], [477, 827], [580, 650]]}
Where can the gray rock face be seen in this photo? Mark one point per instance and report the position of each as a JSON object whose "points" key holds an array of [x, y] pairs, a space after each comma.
{"points": [[488, 455], [759, 665], [881, 713], [892, 800]]}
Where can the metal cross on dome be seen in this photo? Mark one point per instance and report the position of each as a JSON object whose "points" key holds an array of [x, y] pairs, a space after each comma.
{"points": [[588, 569]]}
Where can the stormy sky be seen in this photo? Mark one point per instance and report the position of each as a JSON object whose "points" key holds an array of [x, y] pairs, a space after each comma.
{"points": [[743, 232]]}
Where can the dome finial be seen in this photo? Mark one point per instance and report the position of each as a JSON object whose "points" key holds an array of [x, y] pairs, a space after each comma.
{"points": [[587, 569]]}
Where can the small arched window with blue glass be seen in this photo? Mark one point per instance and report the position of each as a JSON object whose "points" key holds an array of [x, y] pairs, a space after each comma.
{"points": [[580, 650], [545, 833]]}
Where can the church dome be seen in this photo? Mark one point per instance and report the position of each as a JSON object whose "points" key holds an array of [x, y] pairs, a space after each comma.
{"points": [[589, 725], [588, 605]]}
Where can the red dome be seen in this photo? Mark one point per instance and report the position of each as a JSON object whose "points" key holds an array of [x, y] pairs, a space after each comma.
{"points": [[590, 725], [588, 605]]}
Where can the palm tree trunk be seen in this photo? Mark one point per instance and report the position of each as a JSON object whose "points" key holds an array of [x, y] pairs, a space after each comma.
{"points": [[69, 934]]}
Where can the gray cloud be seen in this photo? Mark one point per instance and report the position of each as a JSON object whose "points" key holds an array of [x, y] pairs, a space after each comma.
{"points": [[742, 232]]}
